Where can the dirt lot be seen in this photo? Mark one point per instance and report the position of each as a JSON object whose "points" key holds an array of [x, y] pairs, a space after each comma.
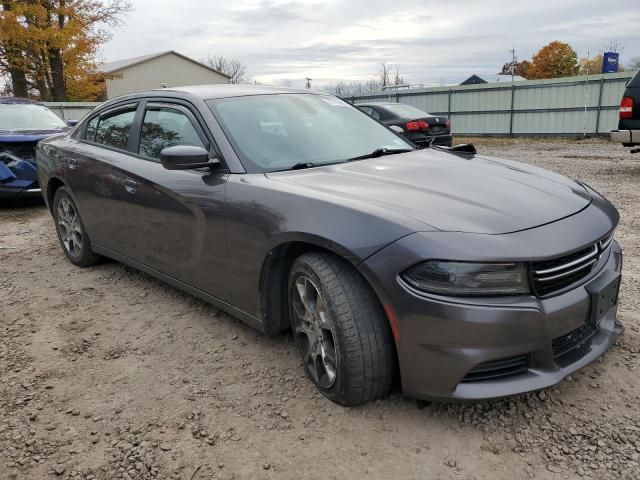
{"points": [[107, 373]]}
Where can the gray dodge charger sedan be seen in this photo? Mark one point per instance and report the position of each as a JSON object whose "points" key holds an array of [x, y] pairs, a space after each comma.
{"points": [[468, 277]]}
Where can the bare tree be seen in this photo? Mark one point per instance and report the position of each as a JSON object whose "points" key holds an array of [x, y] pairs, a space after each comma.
{"points": [[389, 74], [232, 67], [634, 63], [397, 79], [383, 74], [343, 89], [613, 46]]}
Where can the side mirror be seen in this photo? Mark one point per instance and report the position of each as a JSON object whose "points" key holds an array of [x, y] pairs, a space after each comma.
{"points": [[72, 123], [397, 129], [186, 157]]}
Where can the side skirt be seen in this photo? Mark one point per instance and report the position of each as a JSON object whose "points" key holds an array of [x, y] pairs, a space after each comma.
{"points": [[222, 305]]}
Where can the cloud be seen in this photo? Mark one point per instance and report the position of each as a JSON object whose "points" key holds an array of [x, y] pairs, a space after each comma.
{"points": [[331, 40]]}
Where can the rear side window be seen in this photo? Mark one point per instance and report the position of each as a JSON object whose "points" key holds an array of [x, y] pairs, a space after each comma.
{"points": [[405, 111], [375, 114], [92, 126], [111, 129], [166, 127]]}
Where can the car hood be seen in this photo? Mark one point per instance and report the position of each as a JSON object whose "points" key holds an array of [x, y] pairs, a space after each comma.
{"points": [[450, 192]]}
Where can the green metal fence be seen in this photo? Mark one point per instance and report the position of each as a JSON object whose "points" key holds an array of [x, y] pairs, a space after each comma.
{"points": [[563, 106]]}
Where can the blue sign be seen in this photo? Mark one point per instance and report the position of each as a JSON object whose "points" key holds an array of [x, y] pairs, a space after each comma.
{"points": [[610, 62]]}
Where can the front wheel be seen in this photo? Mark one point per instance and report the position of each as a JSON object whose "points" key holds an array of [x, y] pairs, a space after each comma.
{"points": [[342, 333]]}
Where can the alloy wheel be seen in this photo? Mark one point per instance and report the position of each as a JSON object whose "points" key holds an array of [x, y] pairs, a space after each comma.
{"points": [[314, 332], [69, 227]]}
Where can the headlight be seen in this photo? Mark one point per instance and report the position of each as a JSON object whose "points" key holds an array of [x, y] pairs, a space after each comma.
{"points": [[470, 279]]}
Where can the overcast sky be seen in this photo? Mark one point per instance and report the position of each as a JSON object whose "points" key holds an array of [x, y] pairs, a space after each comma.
{"points": [[440, 41]]}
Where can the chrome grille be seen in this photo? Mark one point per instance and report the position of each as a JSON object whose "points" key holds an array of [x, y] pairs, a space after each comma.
{"points": [[549, 276]]}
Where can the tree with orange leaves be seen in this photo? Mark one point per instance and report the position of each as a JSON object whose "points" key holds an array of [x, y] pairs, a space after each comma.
{"points": [[48, 48], [557, 59]]}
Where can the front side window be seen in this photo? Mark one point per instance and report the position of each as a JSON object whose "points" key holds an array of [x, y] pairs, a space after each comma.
{"points": [[166, 127], [277, 132], [112, 129]]}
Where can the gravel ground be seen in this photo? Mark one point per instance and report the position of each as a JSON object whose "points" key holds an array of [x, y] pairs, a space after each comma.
{"points": [[107, 373]]}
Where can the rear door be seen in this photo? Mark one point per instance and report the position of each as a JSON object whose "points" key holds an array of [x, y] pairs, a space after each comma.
{"points": [[176, 218], [94, 172]]}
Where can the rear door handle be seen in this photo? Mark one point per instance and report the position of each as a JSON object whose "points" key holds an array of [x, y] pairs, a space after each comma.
{"points": [[73, 163], [130, 186]]}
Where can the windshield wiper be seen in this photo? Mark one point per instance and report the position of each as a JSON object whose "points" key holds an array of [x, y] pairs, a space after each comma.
{"points": [[301, 166], [378, 152]]}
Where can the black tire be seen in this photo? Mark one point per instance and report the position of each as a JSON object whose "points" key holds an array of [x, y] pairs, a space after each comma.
{"points": [[72, 234], [363, 344]]}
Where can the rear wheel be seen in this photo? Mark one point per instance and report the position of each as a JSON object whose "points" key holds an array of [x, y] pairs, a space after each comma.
{"points": [[342, 333], [71, 232]]}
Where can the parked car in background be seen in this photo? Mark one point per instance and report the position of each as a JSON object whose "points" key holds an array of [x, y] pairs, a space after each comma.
{"points": [[23, 123], [628, 132], [477, 277], [420, 127]]}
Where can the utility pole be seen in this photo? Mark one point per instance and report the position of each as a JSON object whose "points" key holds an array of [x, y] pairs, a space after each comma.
{"points": [[308, 84], [586, 96], [513, 63]]}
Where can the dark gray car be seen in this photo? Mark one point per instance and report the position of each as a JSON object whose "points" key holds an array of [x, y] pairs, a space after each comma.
{"points": [[469, 277]]}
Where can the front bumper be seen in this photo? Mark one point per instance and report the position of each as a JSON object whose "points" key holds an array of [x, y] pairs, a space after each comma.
{"points": [[626, 137], [18, 178], [20, 192], [442, 340]]}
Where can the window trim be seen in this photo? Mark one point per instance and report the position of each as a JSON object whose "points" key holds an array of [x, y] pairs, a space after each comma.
{"points": [[139, 104], [153, 105], [135, 106], [192, 113]]}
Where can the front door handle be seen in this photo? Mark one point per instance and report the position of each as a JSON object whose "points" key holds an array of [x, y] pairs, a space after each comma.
{"points": [[130, 186], [73, 163]]}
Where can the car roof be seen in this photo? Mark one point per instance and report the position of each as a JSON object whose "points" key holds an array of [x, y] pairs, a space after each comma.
{"points": [[18, 100], [210, 92]]}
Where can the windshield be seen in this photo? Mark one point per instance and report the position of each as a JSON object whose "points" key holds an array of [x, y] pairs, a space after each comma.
{"points": [[25, 116], [405, 111], [277, 132]]}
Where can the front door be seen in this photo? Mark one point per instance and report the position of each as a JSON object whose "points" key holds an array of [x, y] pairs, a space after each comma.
{"points": [[176, 218]]}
